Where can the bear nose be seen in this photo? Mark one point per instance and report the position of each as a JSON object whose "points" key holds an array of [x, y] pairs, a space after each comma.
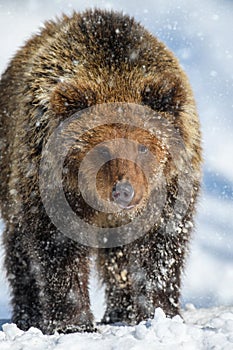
{"points": [[122, 193]]}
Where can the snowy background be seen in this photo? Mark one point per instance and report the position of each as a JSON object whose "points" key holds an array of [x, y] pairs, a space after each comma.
{"points": [[200, 34]]}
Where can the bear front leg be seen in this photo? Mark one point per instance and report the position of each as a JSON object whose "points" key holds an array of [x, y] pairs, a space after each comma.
{"points": [[114, 270], [49, 281], [156, 264], [27, 309], [142, 276], [63, 279]]}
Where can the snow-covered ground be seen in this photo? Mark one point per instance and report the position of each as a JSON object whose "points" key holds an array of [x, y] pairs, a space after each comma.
{"points": [[203, 329], [200, 34]]}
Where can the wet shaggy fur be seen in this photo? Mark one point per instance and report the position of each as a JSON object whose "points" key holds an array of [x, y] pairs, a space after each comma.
{"points": [[76, 62]]}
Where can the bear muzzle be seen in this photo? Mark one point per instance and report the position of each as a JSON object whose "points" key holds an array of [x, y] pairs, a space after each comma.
{"points": [[122, 194]]}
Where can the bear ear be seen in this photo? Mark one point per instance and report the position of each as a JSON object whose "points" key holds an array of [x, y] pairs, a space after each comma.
{"points": [[69, 98], [166, 94]]}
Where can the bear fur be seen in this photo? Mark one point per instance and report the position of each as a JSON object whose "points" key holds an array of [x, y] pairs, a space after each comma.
{"points": [[76, 62]]}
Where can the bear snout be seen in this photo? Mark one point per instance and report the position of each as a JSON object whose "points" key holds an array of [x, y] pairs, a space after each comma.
{"points": [[123, 193]]}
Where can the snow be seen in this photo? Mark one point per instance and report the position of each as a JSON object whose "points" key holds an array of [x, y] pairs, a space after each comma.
{"points": [[202, 329], [200, 35]]}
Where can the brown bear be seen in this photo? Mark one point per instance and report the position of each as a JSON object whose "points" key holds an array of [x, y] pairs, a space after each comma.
{"points": [[103, 60]]}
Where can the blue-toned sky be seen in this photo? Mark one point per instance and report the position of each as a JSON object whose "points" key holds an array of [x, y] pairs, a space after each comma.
{"points": [[200, 34]]}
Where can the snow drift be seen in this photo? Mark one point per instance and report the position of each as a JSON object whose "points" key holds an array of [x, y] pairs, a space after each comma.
{"points": [[200, 329]]}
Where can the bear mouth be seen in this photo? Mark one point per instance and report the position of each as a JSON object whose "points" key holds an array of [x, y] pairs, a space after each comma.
{"points": [[126, 207]]}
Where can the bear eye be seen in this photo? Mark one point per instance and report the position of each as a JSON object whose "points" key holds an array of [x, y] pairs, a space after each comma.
{"points": [[142, 149], [104, 152]]}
